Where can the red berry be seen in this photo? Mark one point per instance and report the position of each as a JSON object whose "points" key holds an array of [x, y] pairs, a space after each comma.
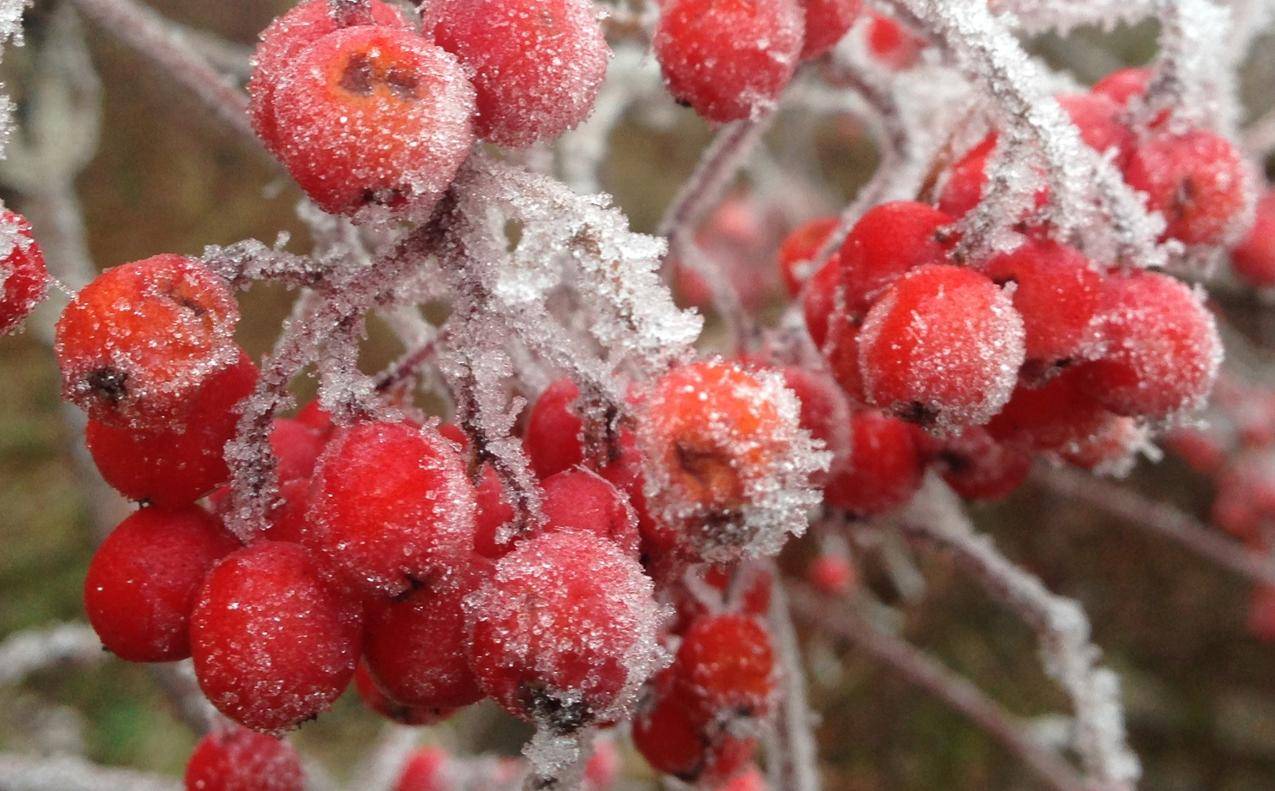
{"points": [[725, 666], [23, 276], [977, 467], [1122, 85], [286, 38], [175, 464], [963, 188], [678, 742], [1111, 450], [1254, 258], [825, 412], [942, 347], [1261, 614], [370, 691], [894, 45], [743, 588], [297, 445], [888, 241], [625, 472], [1057, 292], [274, 644], [826, 22], [1196, 180], [1098, 120], [136, 343], [799, 249], [142, 583], [1245, 499], [374, 116], [750, 779], [316, 417], [728, 59], [1162, 349], [425, 770], [537, 64], [417, 518], [831, 574], [1200, 448], [581, 499], [494, 513], [237, 759], [553, 437], [885, 466], [819, 301], [415, 644], [564, 632], [603, 768], [1051, 416]]}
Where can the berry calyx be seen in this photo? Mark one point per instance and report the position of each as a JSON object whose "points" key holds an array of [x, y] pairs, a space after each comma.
{"points": [[237, 759], [24, 280]]}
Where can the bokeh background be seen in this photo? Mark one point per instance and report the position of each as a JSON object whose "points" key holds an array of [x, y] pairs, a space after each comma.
{"points": [[1200, 690]]}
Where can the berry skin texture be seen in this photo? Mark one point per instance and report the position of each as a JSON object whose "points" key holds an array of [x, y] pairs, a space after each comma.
{"points": [[24, 280], [142, 582], [826, 22], [888, 241], [274, 644], [1051, 416], [893, 45], [237, 759], [676, 741], [885, 466], [415, 645], [136, 343], [553, 437], [800, 248], [282, 42], [1162, 348], [374, 117], [1122, 85], [370, 691], [537, 65], [725, 667], [964, 185], [819, 301], [416, 520], [728, 59], [564, 631], [1057, 293], [1254, 258], [1196, 180], [175, 465], [941, 348], [977, 467]]}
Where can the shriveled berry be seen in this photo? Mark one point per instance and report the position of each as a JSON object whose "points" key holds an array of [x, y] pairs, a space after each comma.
{"points": [[175, 464], [977, 467], [826, 22], [1196, 180], [24, 280], [1057, 292], [282, 42], [237, 759], [142, 582], [553, 437], [137, 342], [1254, 258], [799, 249], [415, 645], [414, 518], [564, 632], [374, 116], [274, 643], [371, 693], [889, 240], [537, 64], [942, 347], [884, 470], [728, 59], [1162, 348]]}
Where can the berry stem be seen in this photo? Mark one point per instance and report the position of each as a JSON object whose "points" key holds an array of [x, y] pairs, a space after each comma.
{"points": [[798, 753]]}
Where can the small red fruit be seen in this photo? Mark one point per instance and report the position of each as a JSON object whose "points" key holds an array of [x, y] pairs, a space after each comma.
{"points": [[1122, 85], [1051, 416], [977, 467], [274, 644], [725, 666], [370, 691], [889, 240], [1196, 180], [675, 740], [554, 435], [1254, 258], [142, 582], [426, 770], [826, 22], [23, 276], [885, 466], [237, 759], [893, 45], [831, 574], [799, 249]]}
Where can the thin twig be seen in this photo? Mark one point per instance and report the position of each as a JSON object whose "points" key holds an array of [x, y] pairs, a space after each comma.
{"points": [[26, 652], [898, 656], [798, 753]]}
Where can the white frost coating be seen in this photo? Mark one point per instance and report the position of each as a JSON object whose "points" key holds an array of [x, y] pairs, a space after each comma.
{"points": [[1195, 75], [1061, 627], [1063, 16], [27, 652], [71, 773]]}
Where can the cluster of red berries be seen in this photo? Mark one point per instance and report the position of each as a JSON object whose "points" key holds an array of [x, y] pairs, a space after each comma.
{"points": [[369, 111], [1038, 350]]}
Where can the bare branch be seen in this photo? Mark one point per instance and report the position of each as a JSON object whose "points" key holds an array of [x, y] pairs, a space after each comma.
{"points": [[798, 752], [26, 652], [69, 773]]}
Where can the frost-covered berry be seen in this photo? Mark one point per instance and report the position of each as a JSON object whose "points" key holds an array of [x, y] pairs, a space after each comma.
{"points": [[415, 645], [889, 240], [825, 412], [554, 435], [1162, 350], [142, 582], [390, 503], [273, 642], [1098, 120], [1056, 292], [1111, 450], [564, 632], [725, 667], [536, 64], [580, 499], [282, 42], [728, 59], [677, 741], [884, 469], [425, 770], [977, 467], [826, 22], [1123, 85], [374, 117], [374, 697], [136, 343], [1254, 258], [1196, 180], [23, 276], [942, 347], [893, 45], [237, 759], [963, 187], [174, 465], [729, 466], [819, 301], [494, 512], [799, 249], [1049, 416]]}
